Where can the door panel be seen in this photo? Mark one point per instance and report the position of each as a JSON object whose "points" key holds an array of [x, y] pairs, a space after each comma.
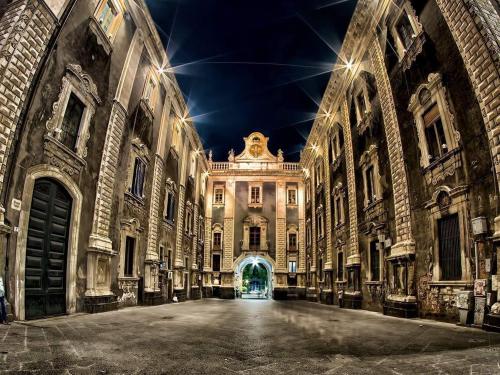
{"points": [[46, 251]]}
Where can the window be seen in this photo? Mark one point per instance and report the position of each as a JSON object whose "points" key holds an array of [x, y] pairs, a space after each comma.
{"points": [[319, 224], [308, 235], [375, 261], [319, 173], [186, 262], [169, 260], [176, 135], [405, 30], [292, 196], [340, 266], [71, 122], [450, 261], [370, 185], [434, 133], [217, 244], [128, 269], [254, 195], [308, 192], [337, 143], [339, 215], [361, 105], [170, 206], [216, 262], [321, 273], [254, 238], [162, 254], [218, 195], [292, 266], [189, 222], [192, 169], [138, 178], [292, 241], [150, 94], [109, 15]]}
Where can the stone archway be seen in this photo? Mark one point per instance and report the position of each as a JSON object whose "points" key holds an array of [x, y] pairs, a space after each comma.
{"points": [[261, 260]]}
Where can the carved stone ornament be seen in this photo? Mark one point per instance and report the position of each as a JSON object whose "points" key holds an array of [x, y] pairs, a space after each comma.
{"points": [[79, 83]]}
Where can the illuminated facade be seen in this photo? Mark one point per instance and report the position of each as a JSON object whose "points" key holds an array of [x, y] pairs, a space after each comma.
{"points": [[254, 213], [403, 204]]}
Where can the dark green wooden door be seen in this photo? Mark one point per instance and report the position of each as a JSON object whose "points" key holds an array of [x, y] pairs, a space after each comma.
{"points": [[46, 251]]}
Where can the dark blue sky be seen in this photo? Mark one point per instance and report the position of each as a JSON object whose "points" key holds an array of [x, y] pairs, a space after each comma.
{"points": [[252, 65]]}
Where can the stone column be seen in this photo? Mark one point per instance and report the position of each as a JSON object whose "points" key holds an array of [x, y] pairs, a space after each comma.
{"points": [[207, 250], [353, 257], [179, 251], [404, 243], [228, 245], [150, 282], [100, 249], [314, 238], [301, 268], [281, 258], [328, 211]]}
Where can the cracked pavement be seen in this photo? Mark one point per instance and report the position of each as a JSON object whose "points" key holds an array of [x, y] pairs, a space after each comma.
{"points": [[243, 337]]}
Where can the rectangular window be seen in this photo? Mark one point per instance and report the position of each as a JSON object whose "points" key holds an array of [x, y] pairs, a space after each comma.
{"points": [[375, 261], [319, 174], [338, 210], [292, 266], [405, 30], [308, 192], [217, 240], [255, 194], [320, 266], [71, 121], [308, 235], [292, 196], [150, 91], [434, 133], [169, 260], [320, 226], [292, 241], [128, 268], [340, 266], [138, 178], [219, 196], [370, 184], [187, 224], [361, 104], [254, 238], [107, 16], [170, 209], [216, 262], [400, 278], [450, 261], [186, 262]]}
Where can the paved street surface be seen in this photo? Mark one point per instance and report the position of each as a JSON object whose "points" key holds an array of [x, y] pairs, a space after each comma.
{"points": [[244, 337]]}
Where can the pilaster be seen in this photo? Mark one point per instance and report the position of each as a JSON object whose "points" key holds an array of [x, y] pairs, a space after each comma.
{"points": [[353, 257], [404, 243], [228, 245], [328, 211], [281, 227]]}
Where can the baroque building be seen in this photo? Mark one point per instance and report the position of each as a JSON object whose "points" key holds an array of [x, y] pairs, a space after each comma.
{"points": [[401, 166], [254, 215], [101, 171], [108, 200]]}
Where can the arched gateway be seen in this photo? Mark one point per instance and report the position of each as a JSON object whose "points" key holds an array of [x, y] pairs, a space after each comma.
{"points": [[244, 275]]}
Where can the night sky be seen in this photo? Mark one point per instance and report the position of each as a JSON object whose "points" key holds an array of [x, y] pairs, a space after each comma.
{"points": [[259, 65]]}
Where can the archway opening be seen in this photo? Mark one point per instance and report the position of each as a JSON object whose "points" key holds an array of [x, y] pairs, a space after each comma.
{"points": [[253, 278], [254, 281]]}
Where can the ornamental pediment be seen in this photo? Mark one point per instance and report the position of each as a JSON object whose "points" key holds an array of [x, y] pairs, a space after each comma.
{"points": [[256, 150]]}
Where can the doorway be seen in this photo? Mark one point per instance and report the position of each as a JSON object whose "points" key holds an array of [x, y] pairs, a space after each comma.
{"points": [[47, 250]]}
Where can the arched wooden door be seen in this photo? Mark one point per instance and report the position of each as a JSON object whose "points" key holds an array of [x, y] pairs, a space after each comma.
{"points": [[47, 249]]}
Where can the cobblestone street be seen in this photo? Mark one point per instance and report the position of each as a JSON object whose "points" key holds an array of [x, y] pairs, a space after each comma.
{"points": [[228, 337]]}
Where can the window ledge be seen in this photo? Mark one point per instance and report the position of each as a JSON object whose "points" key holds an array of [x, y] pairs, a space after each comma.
{"points": [[443, 167], [365, 122], [292, 205], [373, 282], [102, 38], [62, 157], [255, 205], [413, 51], [458, 283], [218, 205], [146, 108], [132, 197], [168, 223], [128, 278]]}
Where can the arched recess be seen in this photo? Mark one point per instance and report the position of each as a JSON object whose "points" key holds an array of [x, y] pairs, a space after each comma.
{"points": [[244, 260], [33, 174]]}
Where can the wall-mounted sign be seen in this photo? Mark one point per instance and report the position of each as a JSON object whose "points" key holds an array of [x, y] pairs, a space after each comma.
{"points": [[16, 204], [480, 288]]}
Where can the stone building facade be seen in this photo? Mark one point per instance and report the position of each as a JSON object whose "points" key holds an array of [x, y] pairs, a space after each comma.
{"points": [[101, 170], [254, 213], [399, 163]]}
